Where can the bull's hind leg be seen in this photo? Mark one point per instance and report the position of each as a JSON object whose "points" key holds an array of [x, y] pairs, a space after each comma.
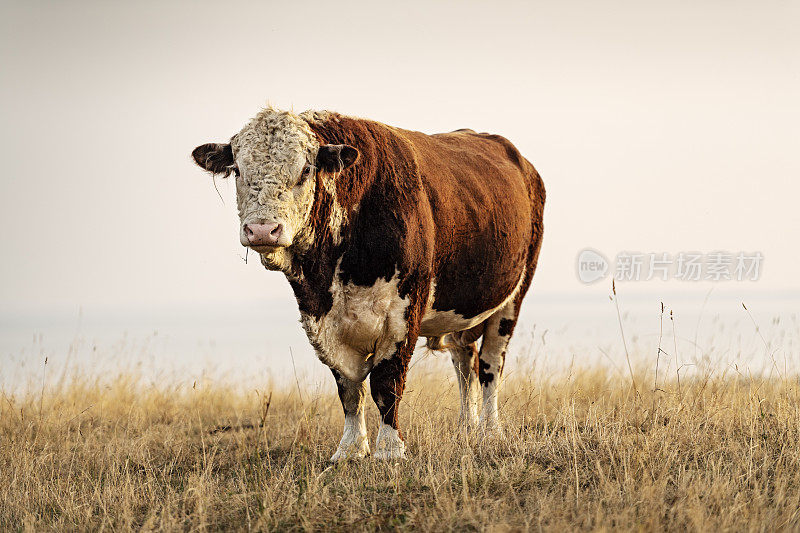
{"points": [[463, 348], [354, 443], [497, 333], [492, 355], [464, 358]]}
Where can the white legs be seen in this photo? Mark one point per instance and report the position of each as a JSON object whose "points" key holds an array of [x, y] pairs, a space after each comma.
{"points": [[389, 445], [464, 358], [489, 419], [354, 443], [496, 335]]}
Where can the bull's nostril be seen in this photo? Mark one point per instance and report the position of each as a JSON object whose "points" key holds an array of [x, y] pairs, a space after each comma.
{"points": [[262, 234]]}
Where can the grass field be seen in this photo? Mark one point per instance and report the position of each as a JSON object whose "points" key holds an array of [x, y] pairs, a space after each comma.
{"points": [[582, 450]]}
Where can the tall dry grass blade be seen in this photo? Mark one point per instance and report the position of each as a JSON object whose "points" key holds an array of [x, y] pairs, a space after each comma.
{"points": [[622, 334]]}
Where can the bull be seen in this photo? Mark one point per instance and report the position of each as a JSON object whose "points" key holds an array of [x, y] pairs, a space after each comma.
{"points": [[387, 235]]}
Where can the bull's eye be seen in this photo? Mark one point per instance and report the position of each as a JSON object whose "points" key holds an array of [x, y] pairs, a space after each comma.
{"points": [[306, 171], [236, 171]]}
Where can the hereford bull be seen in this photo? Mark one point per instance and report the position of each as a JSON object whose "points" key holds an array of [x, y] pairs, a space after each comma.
{"points": [[386, 235]]}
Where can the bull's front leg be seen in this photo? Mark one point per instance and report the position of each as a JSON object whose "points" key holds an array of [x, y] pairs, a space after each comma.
{"points": [[354, 443], [387, 382]]}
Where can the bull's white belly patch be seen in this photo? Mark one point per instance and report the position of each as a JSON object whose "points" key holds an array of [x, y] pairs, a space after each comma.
{"points": [[437, 323], [362, 327]]}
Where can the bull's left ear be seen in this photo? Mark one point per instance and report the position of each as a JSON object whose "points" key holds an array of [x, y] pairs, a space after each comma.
{"points": [[215, 158], [336, 157]]}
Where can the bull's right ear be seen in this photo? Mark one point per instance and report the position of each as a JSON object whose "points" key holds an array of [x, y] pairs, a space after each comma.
{"points": [[336, 157], [215, 158]]}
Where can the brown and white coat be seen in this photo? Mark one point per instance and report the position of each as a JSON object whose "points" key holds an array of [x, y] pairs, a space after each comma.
{"points": [[386, 235]]}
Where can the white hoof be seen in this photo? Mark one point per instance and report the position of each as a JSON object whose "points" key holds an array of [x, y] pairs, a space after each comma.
{"points": [[355, 450], [389, 446], [468, 423], [354, 443], [492, 432], [391, 454], [490, 421]]}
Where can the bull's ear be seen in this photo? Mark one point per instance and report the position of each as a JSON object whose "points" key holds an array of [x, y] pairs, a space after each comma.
{"points": [[215, 158], [336, 157]]}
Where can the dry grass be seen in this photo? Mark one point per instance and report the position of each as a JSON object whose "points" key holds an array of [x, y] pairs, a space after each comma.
{"points": [[582, 451]]}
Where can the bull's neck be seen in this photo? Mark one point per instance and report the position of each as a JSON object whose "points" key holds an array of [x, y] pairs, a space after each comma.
{"points": [[311, 266]]}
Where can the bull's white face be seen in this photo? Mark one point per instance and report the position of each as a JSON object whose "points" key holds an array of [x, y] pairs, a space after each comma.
{"points": [[274, 159]]}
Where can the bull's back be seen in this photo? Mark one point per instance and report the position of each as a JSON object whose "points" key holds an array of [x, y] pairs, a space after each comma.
{"points": [[481, 197]]}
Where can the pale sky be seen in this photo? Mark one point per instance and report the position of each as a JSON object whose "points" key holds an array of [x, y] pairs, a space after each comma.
{"points": [[660, 127]]}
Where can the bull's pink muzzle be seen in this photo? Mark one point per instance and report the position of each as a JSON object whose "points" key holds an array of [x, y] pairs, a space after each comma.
{"points": [[263, 234]]}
